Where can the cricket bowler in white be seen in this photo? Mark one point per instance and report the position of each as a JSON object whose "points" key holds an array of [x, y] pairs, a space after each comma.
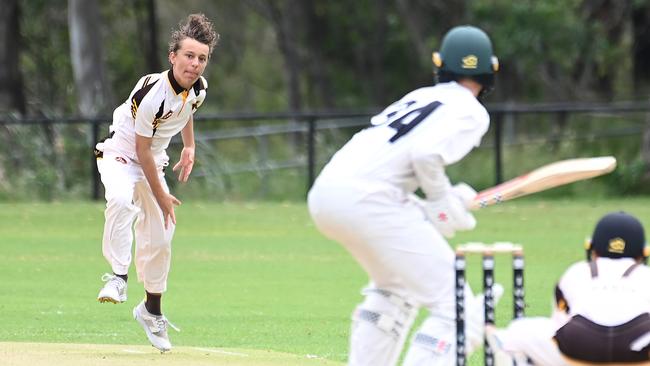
{"points": [[364, 199], [602, 312], [131, 163]]}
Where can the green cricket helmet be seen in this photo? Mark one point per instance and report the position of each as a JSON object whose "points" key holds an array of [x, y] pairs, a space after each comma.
{"points": [[466, 52]]}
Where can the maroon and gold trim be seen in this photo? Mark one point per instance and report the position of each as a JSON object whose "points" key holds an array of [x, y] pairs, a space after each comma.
{"points": [[139, 95]]}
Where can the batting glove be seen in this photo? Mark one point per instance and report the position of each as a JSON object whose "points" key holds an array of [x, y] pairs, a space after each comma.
{"points": [[451, 212]]}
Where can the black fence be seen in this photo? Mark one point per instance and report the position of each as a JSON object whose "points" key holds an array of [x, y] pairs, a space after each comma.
{"points": [[309, 122], [561, 111]]}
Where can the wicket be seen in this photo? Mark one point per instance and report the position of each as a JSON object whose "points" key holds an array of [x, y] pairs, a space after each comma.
{"points": [[487, 251]]}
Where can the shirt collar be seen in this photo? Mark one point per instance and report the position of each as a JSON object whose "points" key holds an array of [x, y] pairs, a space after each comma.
{"points": [[197, 86], [174, 84]]}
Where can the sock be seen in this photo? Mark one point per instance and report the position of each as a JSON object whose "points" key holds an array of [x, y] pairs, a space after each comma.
{"points": [[125, 277], [152, 303]]}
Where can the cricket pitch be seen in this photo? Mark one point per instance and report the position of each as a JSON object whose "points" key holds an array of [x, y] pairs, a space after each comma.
{"points": [[55, 354]]}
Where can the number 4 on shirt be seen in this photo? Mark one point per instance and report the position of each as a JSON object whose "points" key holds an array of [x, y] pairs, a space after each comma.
{"points": [[406, 122]]}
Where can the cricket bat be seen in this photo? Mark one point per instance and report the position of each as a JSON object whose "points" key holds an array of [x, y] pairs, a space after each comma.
{"points": [[545, 177]]}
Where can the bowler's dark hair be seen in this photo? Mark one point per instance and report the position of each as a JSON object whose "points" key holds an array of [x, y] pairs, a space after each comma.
{"points": [[197, 27]]}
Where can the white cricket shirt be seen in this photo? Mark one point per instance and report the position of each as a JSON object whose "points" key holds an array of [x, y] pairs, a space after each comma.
{"points": [[158, 107], [410, 141], [609, 299]]}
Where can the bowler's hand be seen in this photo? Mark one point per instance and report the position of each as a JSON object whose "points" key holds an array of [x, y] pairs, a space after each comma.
{"points": [[167, 203], [185, 164]]}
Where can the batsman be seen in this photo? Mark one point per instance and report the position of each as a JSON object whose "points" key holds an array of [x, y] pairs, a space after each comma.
{"points": [[364, 199]]}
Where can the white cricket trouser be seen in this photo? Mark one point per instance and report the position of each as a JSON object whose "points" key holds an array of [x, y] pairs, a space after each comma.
{"points": [[390, 238], [129, 198], [402, 253], [532, 337]]}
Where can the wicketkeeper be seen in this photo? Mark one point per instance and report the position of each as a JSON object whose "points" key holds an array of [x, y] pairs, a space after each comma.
{"points": [[364, 199], [602, 314], [131, 163]]}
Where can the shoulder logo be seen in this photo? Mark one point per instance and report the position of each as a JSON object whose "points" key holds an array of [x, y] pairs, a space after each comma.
{"points": [[616, 245], [134, 107], [469, 62]]}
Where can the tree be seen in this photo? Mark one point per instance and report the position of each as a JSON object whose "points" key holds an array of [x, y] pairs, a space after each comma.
{"points": [[146, 14], [12, 97], [319, 86], [610, 19], [284, 17], [641, 57], [93, 96], [424, 19]]}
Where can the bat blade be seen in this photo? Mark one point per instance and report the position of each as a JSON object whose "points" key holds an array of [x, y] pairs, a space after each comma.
{"points": [[545, 177]]}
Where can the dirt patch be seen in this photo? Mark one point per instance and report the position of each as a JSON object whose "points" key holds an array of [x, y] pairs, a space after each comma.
{"points": [[66, 354]]}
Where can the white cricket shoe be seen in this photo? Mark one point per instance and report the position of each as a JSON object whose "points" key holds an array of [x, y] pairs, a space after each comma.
{"points": [[155, 326], [114, 289]]}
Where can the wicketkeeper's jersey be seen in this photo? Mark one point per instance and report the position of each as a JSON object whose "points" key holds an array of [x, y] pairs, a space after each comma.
{"points": [[611, 297], [158, 107], [409, 141]]}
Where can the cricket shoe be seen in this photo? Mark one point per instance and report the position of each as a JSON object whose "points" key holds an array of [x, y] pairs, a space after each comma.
{"points": [[155, 326], [114, 289]]}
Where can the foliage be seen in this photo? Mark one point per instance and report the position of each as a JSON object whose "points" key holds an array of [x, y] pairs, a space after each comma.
{"points": [[630, 178], [45, 58], [365, 50], [351, 55], [552, 50]]}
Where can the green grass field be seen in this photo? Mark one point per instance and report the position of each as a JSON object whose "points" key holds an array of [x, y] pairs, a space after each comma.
{"points": [[249, 276]]}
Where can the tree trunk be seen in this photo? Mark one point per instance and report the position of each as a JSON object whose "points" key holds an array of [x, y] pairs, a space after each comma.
{"points": [[93, 94], [283, 23], [645, 147], [376, 39], [315, 33], [414, 23], [641, 60], [12, 97], [146, 14], [284, 20], [641, 48], [612, 16]]}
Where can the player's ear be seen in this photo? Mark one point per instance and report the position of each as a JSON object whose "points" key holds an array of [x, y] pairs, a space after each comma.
{"points": [[646, 253]]}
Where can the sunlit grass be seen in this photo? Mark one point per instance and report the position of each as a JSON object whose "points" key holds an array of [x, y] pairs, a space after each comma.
{"points": [[249, 276]]}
